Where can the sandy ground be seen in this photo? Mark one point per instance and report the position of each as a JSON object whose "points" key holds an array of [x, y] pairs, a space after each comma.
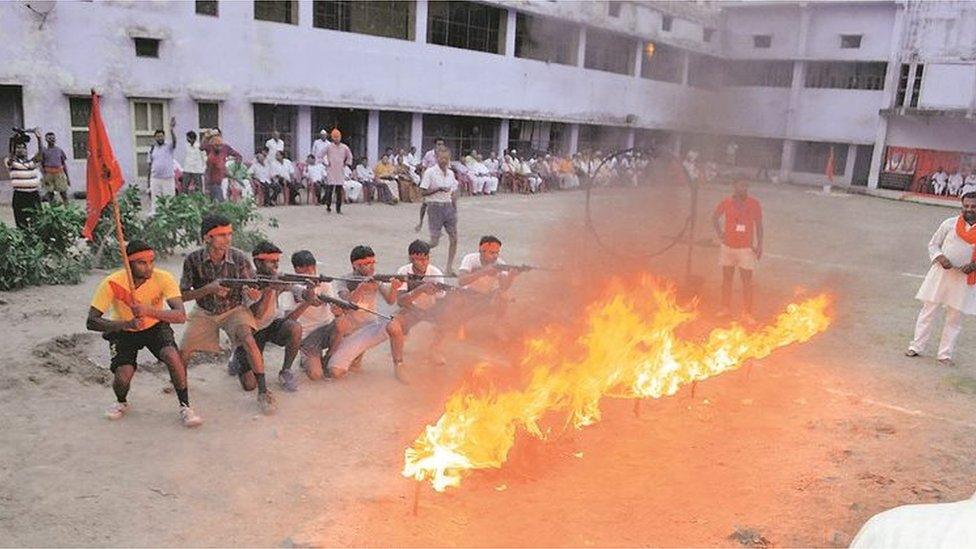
{"points": [[800, 449]]}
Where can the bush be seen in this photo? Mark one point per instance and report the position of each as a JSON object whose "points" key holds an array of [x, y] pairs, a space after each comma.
{"points": [[50, 253]]}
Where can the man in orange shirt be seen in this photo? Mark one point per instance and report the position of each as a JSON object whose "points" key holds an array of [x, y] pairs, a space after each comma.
{"points": [[137, 318], [742, 241]]}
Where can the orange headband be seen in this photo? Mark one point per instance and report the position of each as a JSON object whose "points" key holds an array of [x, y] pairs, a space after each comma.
{"points": [[223, 229], [269, 256], [364, 260], [147, 255], [490, 247]]}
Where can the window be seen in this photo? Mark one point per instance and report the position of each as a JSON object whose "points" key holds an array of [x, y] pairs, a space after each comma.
{"points": [[147, 117], [846, 75], [705, 71], [545, 39], [707, 34], [147, 47], [278, 11], [535, 136], [662, 62], [464, 25], [268, 118], [811, 157], [766, 74], [208, 115], [613, 8], [80, 108], [762, 40], [850, 41], [353, 123], [902, 85], [395, 130], [666, 22], [917, 85], [207, 7], [390, 19], [461, 133], [609, 52]]}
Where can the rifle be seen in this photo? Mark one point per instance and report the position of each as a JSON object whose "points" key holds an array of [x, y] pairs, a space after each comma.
{"points": [[405, 277], [260, 282], [343, 304], [519, 268], [315, 279]]}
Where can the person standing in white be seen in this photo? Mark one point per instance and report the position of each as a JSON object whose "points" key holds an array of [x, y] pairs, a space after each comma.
{"points": [[162, 180], [275, 145], [950, 282]]}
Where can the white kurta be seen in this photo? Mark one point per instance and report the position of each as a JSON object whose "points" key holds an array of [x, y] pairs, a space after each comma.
{"points": [[948, 286]]}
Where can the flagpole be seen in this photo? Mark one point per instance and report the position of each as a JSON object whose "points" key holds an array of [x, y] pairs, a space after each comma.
{"points": [[121, 238]]}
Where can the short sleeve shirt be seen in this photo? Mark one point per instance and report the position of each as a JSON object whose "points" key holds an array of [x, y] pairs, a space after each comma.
{"points": [[199, 270], [313, 317], [424, 301], [368, 301], [161, 157], [485, 284], [435, 178], [741, 218], [154, 292], [53, 157]]}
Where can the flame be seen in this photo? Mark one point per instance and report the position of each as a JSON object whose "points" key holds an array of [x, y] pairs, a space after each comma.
{"points": [[627, 348]]}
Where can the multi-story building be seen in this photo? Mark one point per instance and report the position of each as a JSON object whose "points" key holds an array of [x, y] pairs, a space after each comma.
{"points": [[785, 81]]}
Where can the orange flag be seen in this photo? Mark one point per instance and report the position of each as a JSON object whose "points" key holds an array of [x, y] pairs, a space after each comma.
{"points": [[104, 173], [120, 293], [830, 166]]}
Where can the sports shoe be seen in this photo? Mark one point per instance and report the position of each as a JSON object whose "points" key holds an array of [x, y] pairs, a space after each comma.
{"points": [[911, 353], [189, 417], [399, 370], [947, 362], [287, 380], [267, 403], [117, 410], [233, 366]]}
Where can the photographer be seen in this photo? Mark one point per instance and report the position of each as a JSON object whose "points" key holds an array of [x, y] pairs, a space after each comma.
{"points": [[25, 178]]}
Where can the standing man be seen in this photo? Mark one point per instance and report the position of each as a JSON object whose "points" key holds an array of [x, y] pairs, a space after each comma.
{"points": [[430, 157], [319, 145], [218, 307], [24, 177], [275, 144], [742, 244], [54, 163], [271, 326], [161, 178], [950, 282], [217, 152], [137, 319], [337, 156], [194, 162], [439, 189]]}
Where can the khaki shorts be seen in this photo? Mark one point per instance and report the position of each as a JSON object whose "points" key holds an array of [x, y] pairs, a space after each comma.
{"points": [[743, 258], [203, 329], [55, 182]]}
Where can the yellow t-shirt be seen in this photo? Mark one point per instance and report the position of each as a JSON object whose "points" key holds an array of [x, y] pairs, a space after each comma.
{"points": [[153, 292]]}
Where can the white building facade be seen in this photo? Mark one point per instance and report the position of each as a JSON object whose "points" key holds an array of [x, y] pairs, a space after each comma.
{"points": [[787, 82]]}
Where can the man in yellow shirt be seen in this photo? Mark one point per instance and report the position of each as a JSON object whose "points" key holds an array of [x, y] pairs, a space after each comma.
{"points": [[137, 319]]}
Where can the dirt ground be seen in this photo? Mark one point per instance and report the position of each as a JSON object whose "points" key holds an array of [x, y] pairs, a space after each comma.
{"points": [[798, 450]]}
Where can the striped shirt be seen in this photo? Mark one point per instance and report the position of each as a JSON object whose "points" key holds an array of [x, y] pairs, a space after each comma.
{"points": [[24, 175]]}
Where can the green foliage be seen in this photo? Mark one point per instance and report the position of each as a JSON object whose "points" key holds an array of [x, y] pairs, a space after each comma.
{"points": [[49, 253]]}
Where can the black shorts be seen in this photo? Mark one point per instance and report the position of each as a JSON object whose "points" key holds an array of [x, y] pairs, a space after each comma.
{"points": [[273, 333], [125, 346]]}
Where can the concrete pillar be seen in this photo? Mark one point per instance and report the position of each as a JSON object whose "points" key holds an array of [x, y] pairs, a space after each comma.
{"points": [[304, 14], [573, 146], [685, 62], [849, 167], [419, 23], [888, 95], [503, 128], [786, 160], [629, 141], [417, 130], [510, 22], [581, 47], [373, 137], [676, 149], [638, 58], [909, 89], [303, 133]]}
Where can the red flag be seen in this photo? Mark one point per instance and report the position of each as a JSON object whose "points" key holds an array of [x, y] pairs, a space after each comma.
{"points": [[104, 174], [830, 166], [120, 293]]}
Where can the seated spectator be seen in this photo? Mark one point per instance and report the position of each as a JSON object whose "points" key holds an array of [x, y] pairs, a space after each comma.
{"points": [[352, 188], [940, 181], [283, 175], [494, 171], [236, 184], [566, 173], [385, 179], [260, 172], [365, 177], [955, 183], [407, 181], [482, 180], [314, 178]]}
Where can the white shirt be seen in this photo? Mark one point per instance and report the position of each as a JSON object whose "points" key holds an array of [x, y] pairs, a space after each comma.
{"points": [[274, 146], [940, 178], [435, 178], [259, 171], [485, 284], [318, 149], [492, 165], [195, 160], [423, 301], [315, 172], [410, 159], [282, 169], [313, 317], [955, 183], [949, 286], [363, 173]]}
